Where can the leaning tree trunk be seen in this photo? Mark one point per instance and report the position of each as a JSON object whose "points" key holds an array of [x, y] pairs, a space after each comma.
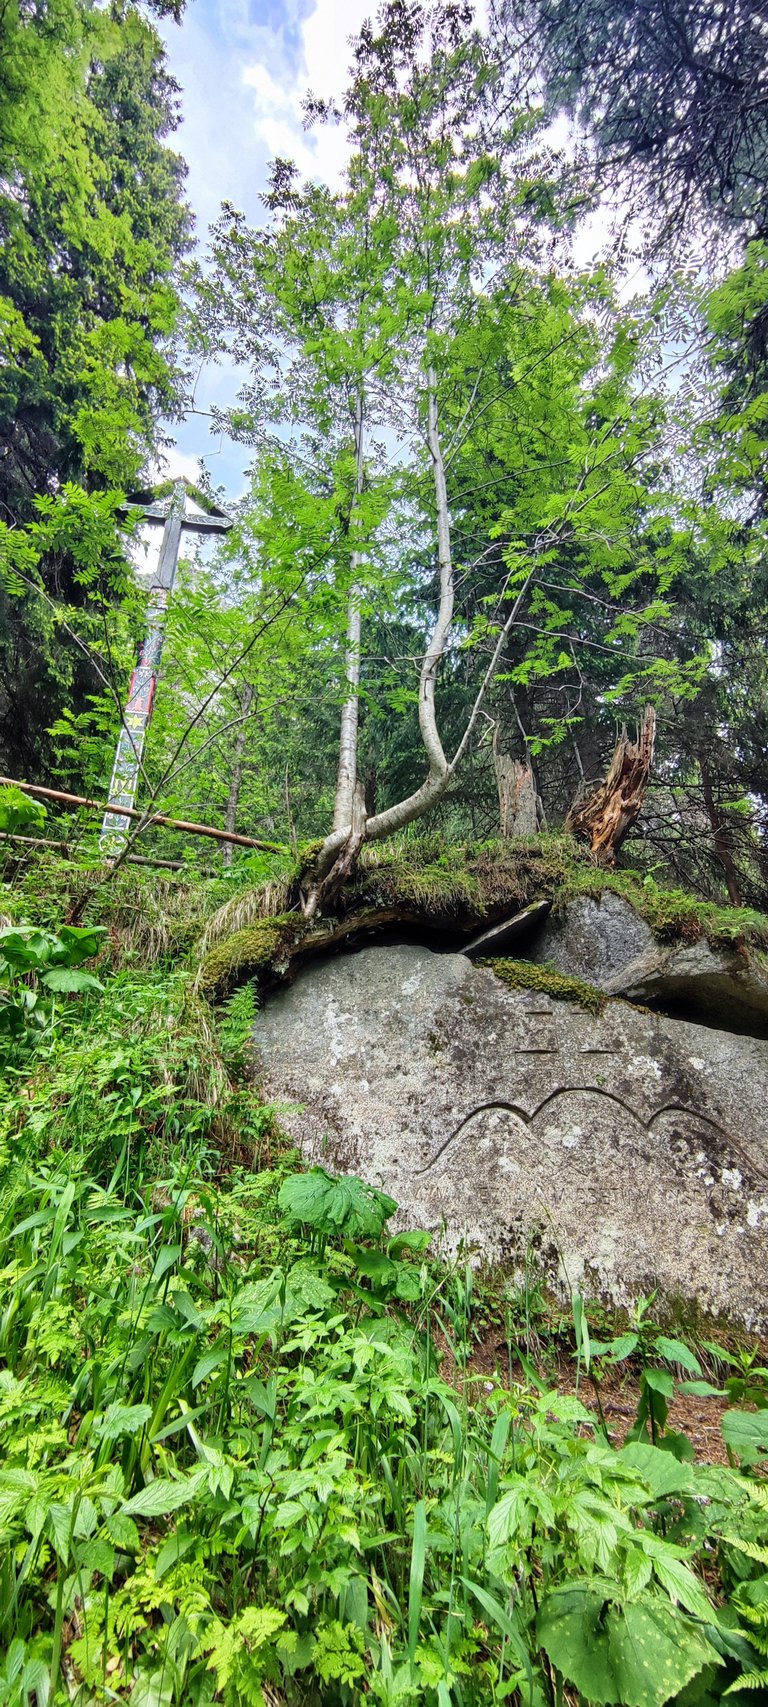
{"points": [[608, 813]]}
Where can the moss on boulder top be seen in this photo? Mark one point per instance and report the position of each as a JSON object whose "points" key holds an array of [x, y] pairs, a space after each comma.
{"points": [[424, 884], [474, 885], [561, 986], [251, 952]]}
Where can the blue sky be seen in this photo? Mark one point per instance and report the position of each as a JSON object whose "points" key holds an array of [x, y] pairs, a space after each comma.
{"points": [[244, 69]]}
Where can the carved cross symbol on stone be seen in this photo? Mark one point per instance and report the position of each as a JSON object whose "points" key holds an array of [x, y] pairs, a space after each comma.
{"points": [[170, 513]]}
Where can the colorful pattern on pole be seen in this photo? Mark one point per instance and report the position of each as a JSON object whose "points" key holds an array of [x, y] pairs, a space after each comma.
{"points": [[126, 771], [138, 711]]}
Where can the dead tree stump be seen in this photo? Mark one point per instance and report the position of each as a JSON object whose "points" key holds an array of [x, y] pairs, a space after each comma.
{"points": [[519, 805], [605, 816]]}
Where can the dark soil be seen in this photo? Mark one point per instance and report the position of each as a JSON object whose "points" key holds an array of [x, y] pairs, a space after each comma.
{"points": [[697, 1418]]}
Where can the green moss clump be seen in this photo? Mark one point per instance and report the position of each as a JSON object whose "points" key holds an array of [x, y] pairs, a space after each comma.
{"points": [[524, 975], [245, 954], [468, 885]]}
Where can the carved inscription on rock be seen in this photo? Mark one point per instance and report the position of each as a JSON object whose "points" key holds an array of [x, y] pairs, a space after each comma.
{"points": [[633, 1146]]}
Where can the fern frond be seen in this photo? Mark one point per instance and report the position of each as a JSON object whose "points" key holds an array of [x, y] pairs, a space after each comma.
{"points": [[748, 1680], [760, 1554]]}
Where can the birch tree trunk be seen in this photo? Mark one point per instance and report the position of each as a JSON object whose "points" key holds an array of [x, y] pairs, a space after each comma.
{"points": [[439, 770], [346, 779], [249, 694], [396, 817]]}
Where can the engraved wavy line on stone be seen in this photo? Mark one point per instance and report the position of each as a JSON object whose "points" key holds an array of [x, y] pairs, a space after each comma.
{"points": [[612, 1096]]}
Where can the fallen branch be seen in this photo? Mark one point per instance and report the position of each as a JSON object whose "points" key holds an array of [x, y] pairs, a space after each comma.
{"points": [[181, 824], [65, 848]]}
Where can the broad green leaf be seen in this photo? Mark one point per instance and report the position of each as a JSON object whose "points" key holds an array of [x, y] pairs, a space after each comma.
{"points": [[60, 1528], [635, 1656], [19, 811], [416, 1241], [675, 1576], [373, 1264], [343, 1205], [262, 1395], [211, 1360], [79, 942], [617, 1349], [25, 949], [747, 1433], [255, 1308], [118, 1420], [175, 1547], [660, 1381], [166, 1258], [163, 1496], [675, 1352], [65, 980], [662, 1472]]}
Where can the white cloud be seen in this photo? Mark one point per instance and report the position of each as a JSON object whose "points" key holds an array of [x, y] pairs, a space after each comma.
{"points": [[323, 64], [175, 465]]}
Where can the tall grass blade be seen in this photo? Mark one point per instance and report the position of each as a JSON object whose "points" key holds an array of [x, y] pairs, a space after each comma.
{"points": [[416, 1581]]}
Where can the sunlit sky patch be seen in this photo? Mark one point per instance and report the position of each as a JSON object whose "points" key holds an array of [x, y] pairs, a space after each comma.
{"points": [[244, 69]]}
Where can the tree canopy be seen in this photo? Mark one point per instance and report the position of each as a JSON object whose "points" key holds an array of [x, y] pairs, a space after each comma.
{"points": [[498, 504]]}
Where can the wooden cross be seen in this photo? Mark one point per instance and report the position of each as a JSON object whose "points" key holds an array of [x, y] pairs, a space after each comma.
{"points": [[170, 513]]}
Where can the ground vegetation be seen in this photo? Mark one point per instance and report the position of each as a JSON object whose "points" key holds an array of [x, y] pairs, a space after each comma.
{"points": [[250, 1453]]}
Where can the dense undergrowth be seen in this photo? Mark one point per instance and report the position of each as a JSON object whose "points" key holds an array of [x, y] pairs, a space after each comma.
{"points": [[232, 1470]]}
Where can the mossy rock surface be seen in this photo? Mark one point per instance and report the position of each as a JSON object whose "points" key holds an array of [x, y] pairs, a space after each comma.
{"points": [[525, 975], [425, 885], [249, 953]]}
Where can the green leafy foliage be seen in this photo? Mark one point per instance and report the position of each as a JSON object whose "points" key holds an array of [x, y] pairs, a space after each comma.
{"points": [[230, 1468], [333, 1206], [640, 1656], [19, 811], [33, 961]]}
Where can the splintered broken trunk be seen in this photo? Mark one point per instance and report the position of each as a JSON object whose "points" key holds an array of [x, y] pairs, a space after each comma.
{"points": [[606, 815], [518, 797]]}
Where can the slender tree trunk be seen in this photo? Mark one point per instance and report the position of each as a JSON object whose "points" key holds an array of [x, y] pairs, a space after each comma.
{"points": [[720, 842], [346, 780], [249, 694], [439, 770], [438, 764], [332, 858]]}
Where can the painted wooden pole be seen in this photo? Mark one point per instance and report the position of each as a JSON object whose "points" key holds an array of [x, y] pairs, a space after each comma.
{"points": [[126, 771]]}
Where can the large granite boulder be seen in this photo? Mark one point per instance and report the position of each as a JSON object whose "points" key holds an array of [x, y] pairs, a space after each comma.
{"points": [[630, 1149], [608, 944]]}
